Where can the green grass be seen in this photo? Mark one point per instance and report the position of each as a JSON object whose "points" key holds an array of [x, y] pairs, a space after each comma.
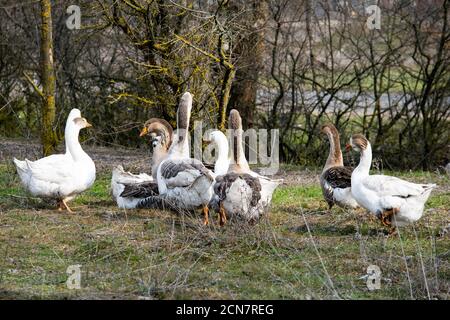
{"points": [[149, 253]]}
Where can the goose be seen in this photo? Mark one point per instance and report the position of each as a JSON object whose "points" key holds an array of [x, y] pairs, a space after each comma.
{"points": [[140, 190], [242, 192], [394, 201], [121, 183], [60, 176], [335, 178], [160, 132], [268, 185], [220, 141], [183, 180]]}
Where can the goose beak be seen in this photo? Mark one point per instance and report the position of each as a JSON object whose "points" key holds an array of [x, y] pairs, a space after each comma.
{"points": [[348, 147], [88, 125], [144, 131]]}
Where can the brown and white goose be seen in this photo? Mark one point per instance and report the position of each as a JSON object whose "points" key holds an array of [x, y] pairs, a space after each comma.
{"points": [[140, 190], [335, 178], [242, 192], [394, 201], [182, 180], [160, 132]]}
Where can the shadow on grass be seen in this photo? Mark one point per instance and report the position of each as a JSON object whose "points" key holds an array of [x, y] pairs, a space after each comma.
{"points": [[321, 229], [317, 228]]}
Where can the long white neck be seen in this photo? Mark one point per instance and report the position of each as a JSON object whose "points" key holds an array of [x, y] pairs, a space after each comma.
{"points": [[222, 162], [73, 146], [180, 145], [365, 161]]}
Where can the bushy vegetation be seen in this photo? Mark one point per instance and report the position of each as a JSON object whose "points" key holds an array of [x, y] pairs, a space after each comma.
{"points": [[284, 64]]}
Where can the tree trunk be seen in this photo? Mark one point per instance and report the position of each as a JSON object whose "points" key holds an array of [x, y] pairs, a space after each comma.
{"points": [[48, 135], [251, 52]]}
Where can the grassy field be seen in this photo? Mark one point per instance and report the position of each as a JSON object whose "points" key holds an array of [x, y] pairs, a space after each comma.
{"points": [[299, 251]]}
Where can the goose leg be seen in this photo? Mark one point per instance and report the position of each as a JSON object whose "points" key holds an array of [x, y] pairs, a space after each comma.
{"points": [[222, 215], [330, 205], [205, 215], [373, 218], [66, 206], [392, 231], [386, 217]]}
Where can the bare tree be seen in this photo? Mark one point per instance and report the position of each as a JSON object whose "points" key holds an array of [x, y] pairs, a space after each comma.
{"points": [[48, 80]]}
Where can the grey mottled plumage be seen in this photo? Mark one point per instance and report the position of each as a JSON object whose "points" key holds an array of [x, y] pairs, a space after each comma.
{"points": [[157, 202], [223, 184], [172, 168], [140, 190]]}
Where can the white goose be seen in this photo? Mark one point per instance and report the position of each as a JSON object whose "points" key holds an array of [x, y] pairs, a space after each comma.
{"points": [[335, 178], [182, 180], [60, 176], [220, 142], [394, 201], [242, 192]]}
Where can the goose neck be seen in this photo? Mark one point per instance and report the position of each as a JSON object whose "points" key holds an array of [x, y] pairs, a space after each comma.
{"points": [[73, 146], [238, 150], [365, 161], [335, 153], [222, 162]]}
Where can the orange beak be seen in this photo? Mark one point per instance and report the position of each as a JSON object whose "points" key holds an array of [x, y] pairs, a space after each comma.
{"points": [[348, 147], [144, 131]]}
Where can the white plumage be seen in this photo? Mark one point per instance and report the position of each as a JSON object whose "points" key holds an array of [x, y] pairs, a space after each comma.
{"points": [[61, 176], [120, 177], [395, 201]]}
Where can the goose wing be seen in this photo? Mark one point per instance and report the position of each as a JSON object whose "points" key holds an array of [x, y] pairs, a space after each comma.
{"points": [[339, 177], [392, 186], [53, 169], [140, 190], [122, 176], [183, 172]]}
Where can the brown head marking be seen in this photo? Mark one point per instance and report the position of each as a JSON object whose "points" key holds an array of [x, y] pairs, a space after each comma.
{"points": [[161, 127], [360, 141]]}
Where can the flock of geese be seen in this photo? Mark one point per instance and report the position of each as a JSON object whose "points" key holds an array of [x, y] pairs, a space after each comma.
{"points": [[179, 182]]}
